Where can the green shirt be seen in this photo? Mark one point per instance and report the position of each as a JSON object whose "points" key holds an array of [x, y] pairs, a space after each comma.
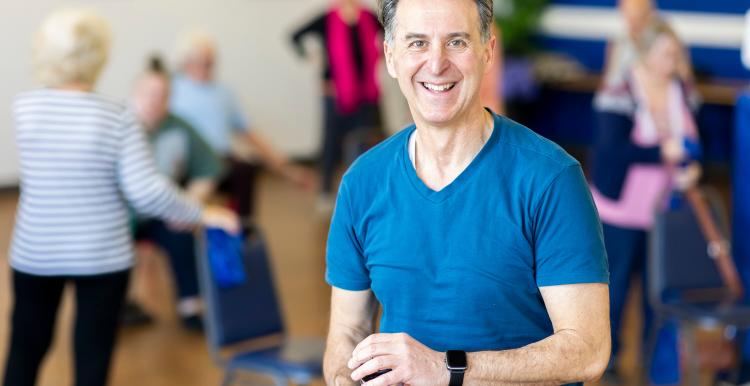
{"points": [[181, 153]]}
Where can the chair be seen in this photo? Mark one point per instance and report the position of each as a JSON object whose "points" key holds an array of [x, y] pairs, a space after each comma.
{"points": [[684, 283], [248, 312]]}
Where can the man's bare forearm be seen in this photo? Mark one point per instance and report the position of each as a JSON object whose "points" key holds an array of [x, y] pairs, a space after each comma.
{"points": [[564, 357], [352, 320], [339, 349]]}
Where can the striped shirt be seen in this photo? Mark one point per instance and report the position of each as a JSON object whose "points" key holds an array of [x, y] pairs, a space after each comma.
{"points": [[84, 158]]}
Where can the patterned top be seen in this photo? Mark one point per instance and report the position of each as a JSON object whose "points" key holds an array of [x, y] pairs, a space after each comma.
{"points": [[83, 158]]}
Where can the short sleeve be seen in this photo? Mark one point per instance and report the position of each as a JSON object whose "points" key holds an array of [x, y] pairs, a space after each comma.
{"points": [[568, 240], [345, 261]]}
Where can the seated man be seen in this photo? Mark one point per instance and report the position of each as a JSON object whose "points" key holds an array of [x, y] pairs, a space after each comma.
{"points": [[182, 155], [478, 237], [210, 107]]}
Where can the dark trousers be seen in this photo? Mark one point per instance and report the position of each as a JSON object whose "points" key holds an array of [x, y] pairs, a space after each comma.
{"points": [[626, 250], [98, 300], [180, 248], [239, 183], [336, 128]]}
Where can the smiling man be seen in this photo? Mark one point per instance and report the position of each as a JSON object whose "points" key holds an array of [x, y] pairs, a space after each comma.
{"points": [[477, 237]]}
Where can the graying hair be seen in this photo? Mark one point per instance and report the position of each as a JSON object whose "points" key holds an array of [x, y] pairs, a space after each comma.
{"points": [[71, 46], [387, 16]]}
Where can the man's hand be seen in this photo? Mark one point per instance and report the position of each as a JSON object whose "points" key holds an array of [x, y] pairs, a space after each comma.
{"points": [[411, 362], [300, 176]]}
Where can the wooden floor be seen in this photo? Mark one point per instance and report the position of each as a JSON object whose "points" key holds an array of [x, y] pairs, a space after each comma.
{"points": [[164, 353]]}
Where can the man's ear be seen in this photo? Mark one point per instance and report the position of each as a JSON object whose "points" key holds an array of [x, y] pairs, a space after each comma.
{"points": [[388, 53], [489, 53]]}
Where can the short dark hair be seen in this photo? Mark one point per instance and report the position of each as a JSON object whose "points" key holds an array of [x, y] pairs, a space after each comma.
{"points": [[387, 16]]}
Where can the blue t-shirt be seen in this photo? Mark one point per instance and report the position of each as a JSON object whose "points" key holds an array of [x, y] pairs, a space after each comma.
{"points": [[210, 108], [461, 268]]}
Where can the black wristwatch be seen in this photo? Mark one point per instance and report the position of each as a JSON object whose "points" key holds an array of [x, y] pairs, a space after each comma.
{"points": [[455, 361]]}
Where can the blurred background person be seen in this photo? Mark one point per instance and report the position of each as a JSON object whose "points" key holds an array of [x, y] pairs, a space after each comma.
{"points": [[644, 124], [211, 108], [84, 157], [183, 156], [352, 41], [622, 52]]}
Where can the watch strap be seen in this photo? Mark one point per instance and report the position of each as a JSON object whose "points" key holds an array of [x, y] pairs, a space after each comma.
{"points": [[457, 378]]}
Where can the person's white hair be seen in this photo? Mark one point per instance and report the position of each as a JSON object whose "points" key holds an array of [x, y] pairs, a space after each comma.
{"points": [[191, 42], [71, 46]]}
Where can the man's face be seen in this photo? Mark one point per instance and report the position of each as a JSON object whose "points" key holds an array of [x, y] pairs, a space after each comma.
{"points": [[200, 64], [438, 57], [150, 99]]}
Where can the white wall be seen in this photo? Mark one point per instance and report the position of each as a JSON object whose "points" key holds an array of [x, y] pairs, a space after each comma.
{"points": [[278, 90]]}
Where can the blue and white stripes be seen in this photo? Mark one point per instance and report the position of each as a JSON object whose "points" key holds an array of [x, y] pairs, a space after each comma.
{"points": [[82, 157]]}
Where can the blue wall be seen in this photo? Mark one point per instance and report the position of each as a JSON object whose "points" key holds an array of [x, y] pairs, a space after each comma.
{"points": [[708, 6], [568, 118], [714, 62]]}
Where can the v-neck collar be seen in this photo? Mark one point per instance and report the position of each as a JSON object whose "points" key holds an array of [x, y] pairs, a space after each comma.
{"points": [[458, 182]]}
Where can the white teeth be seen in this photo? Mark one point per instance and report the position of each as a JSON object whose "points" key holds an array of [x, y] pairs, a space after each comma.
{"points": [[438, 87]]}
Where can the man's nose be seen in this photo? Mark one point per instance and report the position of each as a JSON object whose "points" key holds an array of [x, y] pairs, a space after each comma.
{"points": [[437, 61]]}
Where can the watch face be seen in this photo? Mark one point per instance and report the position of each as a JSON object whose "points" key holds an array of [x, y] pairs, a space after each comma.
{"points": [[456, 359]]}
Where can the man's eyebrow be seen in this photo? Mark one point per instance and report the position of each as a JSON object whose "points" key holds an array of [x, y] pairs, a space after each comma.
{"points": [[464, 35], [414, 35], [452, 35]]}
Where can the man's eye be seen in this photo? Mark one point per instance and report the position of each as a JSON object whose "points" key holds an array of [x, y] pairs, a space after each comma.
{"points": [[458, 43], [417, 44]]}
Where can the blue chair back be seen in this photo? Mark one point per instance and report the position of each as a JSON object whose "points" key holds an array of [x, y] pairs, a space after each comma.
{"points": [[247, 311], [678, 258]]}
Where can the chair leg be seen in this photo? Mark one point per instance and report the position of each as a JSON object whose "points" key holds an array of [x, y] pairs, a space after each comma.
{"points": [[228, 377], [656, 325], [693, 367]]}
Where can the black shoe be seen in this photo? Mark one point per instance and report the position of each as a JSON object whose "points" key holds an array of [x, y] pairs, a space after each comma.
{"points": [[193, 323], [134, 315]]}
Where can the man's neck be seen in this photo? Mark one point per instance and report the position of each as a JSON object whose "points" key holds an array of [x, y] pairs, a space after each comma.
{"points": [[443, 152], [196, 79]]}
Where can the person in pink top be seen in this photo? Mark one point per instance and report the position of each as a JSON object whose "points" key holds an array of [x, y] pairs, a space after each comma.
{"points": [[353, 43], [645, 127]]}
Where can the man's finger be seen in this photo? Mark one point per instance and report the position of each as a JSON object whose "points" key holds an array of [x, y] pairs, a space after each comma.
{"points": [[374, 365], [375, 344], [390, 378]]}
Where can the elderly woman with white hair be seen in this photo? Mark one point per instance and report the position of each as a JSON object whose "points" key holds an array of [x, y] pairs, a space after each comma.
{"points": [[83, 159]]}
